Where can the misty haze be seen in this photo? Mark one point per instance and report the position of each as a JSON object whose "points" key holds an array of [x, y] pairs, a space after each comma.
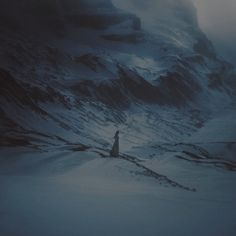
{"points": [[117, 117], [217, 19]]}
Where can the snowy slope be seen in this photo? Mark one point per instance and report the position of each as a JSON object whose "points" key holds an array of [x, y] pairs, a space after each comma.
{"points": [[83, 194], [152, 74], [71, 77]]}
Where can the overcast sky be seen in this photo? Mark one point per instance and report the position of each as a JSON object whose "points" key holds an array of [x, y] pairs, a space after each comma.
{"points": [[217, 18]]}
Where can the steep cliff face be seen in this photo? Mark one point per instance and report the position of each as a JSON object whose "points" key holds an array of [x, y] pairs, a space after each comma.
{"points": [[57, 15]]}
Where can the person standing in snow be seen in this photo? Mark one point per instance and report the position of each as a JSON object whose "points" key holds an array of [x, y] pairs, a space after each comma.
{"points": [[115, 148]]}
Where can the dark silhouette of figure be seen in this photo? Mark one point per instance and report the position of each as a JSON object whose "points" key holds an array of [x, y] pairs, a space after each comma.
{"points": [[115, 148]]}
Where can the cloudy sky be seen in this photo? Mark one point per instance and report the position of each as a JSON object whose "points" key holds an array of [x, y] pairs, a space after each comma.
{"points": [[217, 18]]}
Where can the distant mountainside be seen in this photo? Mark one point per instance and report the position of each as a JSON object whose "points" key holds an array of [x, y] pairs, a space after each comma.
{"points": [[75, 71]]}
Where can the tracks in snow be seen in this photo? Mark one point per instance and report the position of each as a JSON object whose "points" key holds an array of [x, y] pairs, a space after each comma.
{"points": [[146, 171]]}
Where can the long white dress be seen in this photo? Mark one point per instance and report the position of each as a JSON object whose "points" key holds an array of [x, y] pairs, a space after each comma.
{"points": [[115, 148]]}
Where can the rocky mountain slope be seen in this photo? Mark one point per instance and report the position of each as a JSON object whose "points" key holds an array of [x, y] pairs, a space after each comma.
{"points": [[73, 71]]}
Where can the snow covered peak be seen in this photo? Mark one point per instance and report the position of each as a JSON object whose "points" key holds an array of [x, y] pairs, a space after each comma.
{"points": [[153, 11], [149, 53]]}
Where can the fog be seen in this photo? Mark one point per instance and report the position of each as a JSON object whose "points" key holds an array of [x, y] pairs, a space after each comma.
{"points": [[217, 18]]}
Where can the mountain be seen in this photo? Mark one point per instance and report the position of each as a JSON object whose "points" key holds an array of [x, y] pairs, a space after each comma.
{"points": [[85, 68], [72, 73]]}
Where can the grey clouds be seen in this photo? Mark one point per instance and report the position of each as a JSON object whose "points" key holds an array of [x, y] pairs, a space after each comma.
{"points": [[217, 18]]}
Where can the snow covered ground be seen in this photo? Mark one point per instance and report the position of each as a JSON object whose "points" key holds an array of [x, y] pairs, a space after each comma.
{"points": [[65, 192], [64, 93], [161, 185]]}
